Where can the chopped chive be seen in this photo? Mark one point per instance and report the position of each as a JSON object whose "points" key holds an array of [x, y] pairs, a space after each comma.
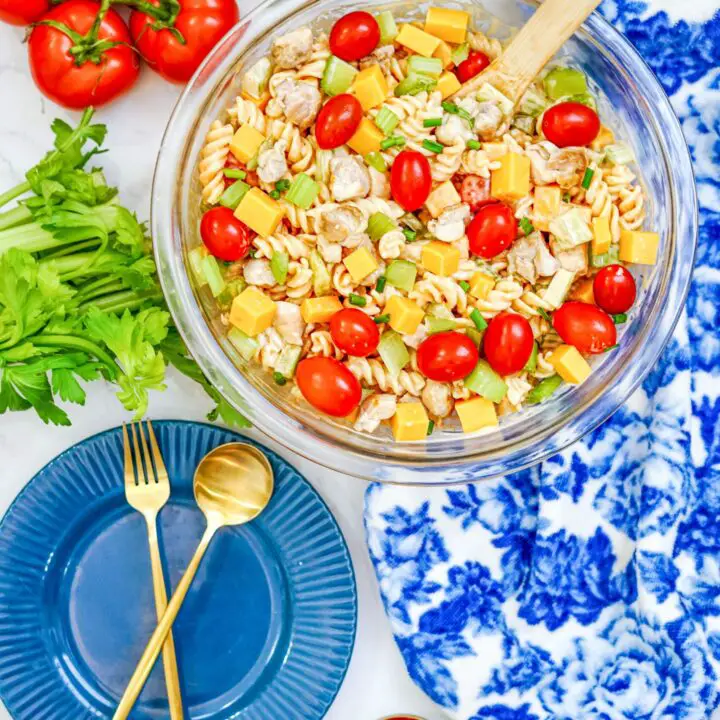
{"points": [[234, 173], [432, 122], [544, 315], [358, 300], [431, 427], [473, 145], [282, 185], [464, 285], [566, 197], [433, 146], [380, 319], [620, 318], [381, 283], [612, 347], [409, 234], [275, 194], [395, 141], [454, 109], [279, 378], [526, 226], [252, 253], [587, 178], [478, 319]]}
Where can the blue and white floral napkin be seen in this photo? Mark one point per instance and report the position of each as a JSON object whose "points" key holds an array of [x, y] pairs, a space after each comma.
{"points": [[588, 587]]}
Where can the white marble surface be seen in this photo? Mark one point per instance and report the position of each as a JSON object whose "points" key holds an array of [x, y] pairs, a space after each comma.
{"points": [[376, 684]]}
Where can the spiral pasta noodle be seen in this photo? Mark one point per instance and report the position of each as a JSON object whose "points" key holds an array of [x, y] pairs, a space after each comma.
{"points": [[500, 298], [213, 158], [447, 163], [373, 373]]}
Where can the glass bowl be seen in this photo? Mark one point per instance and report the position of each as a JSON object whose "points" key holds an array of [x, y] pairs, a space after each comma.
{"points": [[639, 111]]}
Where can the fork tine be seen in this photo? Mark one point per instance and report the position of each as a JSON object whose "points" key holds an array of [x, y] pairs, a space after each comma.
{"points": [[149, 469], [141, 472], [128, 463], [160, 472]]}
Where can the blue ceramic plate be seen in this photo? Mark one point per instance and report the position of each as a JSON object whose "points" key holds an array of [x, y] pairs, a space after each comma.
{"points": [[266, 631]]}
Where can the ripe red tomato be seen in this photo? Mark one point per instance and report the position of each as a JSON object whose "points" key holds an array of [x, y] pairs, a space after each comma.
{"points": [[410, 180], [224, 235], [337, 121], [22, 12], [354, 332], [476, 62], [202, 23], [328, 386], [87, 77], [492, 230], [587, 327], [475, 191], [508, 343], [614, 289], [570, 123], [447, 356], [354, 36]]}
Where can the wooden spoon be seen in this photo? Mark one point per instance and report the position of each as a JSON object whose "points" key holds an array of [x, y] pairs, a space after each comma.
{"points": [[538, 40]]}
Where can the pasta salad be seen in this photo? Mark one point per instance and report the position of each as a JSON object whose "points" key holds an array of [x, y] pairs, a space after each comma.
{"points": [[403, 257]]}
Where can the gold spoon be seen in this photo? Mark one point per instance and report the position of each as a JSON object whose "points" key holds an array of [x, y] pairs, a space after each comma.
{"points": [[232, 485]]}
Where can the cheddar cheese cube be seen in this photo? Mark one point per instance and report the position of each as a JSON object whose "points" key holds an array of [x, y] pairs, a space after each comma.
{"points": [[443, 196], [367, 138], [447, 24], [259, 212], [511, 181], [417, 40], [476, 414], [546, 206], [583, 291], [440, 258], [570, 365], [481, 284], [360, 264], [410, 422], [405, 315], [320, 309], [370, 87], [252, 311], [639, 247], [604, 138], [448, 84], [601, 235], [444, 54], [246, 142]]}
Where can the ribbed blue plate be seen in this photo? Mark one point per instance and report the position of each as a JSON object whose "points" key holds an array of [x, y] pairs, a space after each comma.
{"points": [[267, 629]]}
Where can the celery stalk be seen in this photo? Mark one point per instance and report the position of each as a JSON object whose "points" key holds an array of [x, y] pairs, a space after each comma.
{"points": [[387, 121], [401, 274], [244, 344], [378, 225], [544, 389], [388, 27], [213, 275], [337, 77], [425, 66], [414, 84], [393, 352], [484, 381], [303, 191]]}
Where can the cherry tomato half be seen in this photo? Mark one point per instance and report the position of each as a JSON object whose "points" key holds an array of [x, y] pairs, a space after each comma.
{"points": [[447, 356], [224, 235], [475, 191], [328, 386], [508, 343], [587, 327], [354, 36], [614, 289], [570, 123], [476, 62], [410, 180], [337, 121], [22, 12], [492, 230], [354, 332]]}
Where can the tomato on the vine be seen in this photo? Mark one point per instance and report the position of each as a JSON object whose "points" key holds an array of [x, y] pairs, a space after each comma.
{"points": [[328, 385], [354, 332], [354, 36], [410, 180], [476, 62], [508, 343], [22, 12], [492, 230], [587, 327], [475, 191], [225, 237], [75, 69], [337, 121], [570, 123], [174, 43], [614, 289], [447, 356]]}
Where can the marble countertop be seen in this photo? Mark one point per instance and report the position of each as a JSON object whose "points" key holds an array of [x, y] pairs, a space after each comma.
{"points": [[377, 683]]}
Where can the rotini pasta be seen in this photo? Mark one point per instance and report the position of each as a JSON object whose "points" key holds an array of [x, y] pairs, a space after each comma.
{"points": [[213, 159]]}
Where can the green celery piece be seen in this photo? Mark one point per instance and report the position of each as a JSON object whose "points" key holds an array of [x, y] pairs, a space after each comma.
{"points": [[609, 258], [288, 360], [233, 195], [532, 103], [425, 66], [337, 77], [279, 264], [484, 381], [387, 121], [379, 224], [303, 191], [377, 161], [401, 274], [244, 344], [531, 364], [231, 291], [414, 84], [460, 54], [475, 335], [321, 277], [195, 259], [544, 389], [388, 27], [525, 123], [562, 81], [213, 275], [619, 154], [393, 352], [437, 325]]}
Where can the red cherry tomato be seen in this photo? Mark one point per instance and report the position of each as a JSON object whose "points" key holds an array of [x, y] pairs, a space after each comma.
{"points": [[56, 71], [614, 289], [201, 23], [587, 327], [475, 191], [328, 386], [492, 230], [570, 123], [224, 235], [508, 343], [476, 62], [447, 356], [354, 36], [410, 180], [337, 121], [354, 332], [22, 12]]}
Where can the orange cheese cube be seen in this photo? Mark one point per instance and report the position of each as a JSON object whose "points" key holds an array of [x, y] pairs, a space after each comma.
{"points": [[410, 422], [252, 311], [360, 264], [448, 84], [476, 414], [320, 309], [370, 87], [440, 258], [511, 181], [367, 138], [481, 284], [570, 365], [639, 247], [546, 206], [259, 212], [444, 54], [246, 142], [405, 315], [604, 138], [447, 24], [601, 235], [417, 40]]}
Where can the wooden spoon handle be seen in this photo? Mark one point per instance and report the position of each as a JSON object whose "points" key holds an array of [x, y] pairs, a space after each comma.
{"points": [[536, 42]]}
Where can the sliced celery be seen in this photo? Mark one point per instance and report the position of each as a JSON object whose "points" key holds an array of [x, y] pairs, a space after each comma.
{"points": [[609, 258], [303, 191], [213, 275], [195, 258], [583, 99], [321, 276], [570, 229], [561, 81], [425, 66], [231, 291], [255, 80], [393, 352], [533, 102], [415, 83], [619, 154], [484, 381], [279, 264], [439, 310], [388, 27], [460, 53], [288, 360], [544, 389], [387, 120], [244, 344], [436, 324], [378, 225], [234, 194], [531, 364], [377, 161], [475, 335], [401, 274], [337, 77]]}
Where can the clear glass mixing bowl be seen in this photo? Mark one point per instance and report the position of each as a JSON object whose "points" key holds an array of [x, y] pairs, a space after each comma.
{"points": [[640, 112]]}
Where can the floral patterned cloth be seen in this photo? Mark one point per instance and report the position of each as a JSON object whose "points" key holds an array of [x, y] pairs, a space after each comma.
{"points": [[588, 587]]}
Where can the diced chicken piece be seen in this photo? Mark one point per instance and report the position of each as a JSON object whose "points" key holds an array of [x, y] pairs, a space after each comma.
{"points": [[450, 226], [258, 272], [545, 264], [300, 101], [521, 259], [488, 120], [380, 56], [337, 224], [293, 50], [454, 127], [539, 155], [568, 166], [272, 163], [437, 398], [357, 240], [349, 179], [573, 260], [329, 251], [374, 410], [288, 322], [379, 184], [417, 337]]}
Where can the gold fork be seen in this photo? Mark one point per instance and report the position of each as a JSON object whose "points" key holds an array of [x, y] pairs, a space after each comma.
{"points": [[148, 495]]}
